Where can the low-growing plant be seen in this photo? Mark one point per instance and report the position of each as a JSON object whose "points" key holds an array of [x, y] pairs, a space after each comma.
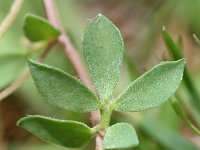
{"points": [[103, 50]]}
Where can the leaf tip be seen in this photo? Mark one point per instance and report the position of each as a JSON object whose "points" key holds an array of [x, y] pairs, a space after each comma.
{"points": [[99, 15], [28, 15], [31, 62], [181, 61], [26, 19], [21, 120]]}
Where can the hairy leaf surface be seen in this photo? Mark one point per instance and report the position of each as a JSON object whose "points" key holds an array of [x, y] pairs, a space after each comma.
{"points": [[120, 135], [62, 89], [103, 52], [152, 88], [60, 132]]}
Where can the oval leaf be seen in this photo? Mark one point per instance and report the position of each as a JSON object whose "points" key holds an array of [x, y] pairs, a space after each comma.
{"points": [[103, 52], [39, 29], [120, 135], [60, 132], [151, 89], [62, 89]]}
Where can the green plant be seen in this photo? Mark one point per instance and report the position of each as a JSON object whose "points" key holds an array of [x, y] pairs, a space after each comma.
{"points": [[103, 52]]}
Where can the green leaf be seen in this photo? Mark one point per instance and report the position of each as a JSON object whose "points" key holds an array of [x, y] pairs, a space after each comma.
{"points": [[120, 135], [39, 29], [152, 88], [103, 52], [179, 111], [170, 44], [61, 132], [11, 65], [62, 89]]}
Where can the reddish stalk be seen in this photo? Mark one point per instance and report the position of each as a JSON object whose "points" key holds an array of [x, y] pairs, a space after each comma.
{"points": [[74, 58], [68, 48]]}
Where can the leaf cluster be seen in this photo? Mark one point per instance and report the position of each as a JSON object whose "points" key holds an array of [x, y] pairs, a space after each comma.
{"points": [[103, 50]]}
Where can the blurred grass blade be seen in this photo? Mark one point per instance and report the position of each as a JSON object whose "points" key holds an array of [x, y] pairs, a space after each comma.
{"points": [[166, 137], [61, 132], [176, 54], [120, 135], [181, 114], [38, 29], [196, 39], [175, 51], [179, 43]]}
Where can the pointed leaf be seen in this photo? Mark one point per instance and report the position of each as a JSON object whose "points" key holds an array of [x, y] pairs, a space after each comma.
{"points": [[103, 52], [120, 135], [62, 89], [153, 88], [39, 29], [60, 132], [171, 45]]}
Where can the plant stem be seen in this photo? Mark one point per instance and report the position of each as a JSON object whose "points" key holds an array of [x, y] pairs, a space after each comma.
{"points": [[7, 22], [10, 89], [105, 118], [104, 122], [68, 47], [176, 106], [75, 60], [98, 143]]}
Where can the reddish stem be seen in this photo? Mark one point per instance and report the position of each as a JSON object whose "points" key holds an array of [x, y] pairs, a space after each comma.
{"points": [[74, 58]]}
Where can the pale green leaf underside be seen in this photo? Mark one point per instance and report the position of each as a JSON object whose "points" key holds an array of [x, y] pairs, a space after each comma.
{"points": [[103, 52], [39, 29], [60, 132], [120, 135], [62, 89], [151, 89], [11, 66]]}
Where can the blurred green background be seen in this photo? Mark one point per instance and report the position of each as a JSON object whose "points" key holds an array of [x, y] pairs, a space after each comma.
{"points": [[140, 22]]}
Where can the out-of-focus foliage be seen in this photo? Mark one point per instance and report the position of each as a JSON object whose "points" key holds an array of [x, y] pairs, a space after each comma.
{"points": [[11, 65], [140, 23], [38, 29]]}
